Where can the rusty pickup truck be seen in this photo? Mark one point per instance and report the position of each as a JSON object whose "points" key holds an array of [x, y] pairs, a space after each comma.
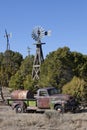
{"points": [[46, 98]]}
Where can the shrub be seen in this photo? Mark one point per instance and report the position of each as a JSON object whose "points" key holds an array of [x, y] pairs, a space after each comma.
{"points": [[76, 87]]}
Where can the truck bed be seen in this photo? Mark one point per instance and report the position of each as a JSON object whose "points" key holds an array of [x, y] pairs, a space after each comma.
{"points": [[29, 102]]}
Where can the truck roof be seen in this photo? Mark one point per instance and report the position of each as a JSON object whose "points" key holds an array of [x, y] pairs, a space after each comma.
{"points": [[66, 96], [46, 88]]}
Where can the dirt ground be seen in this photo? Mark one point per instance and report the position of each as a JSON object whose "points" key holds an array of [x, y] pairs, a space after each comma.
{"points": [[50, 120]]}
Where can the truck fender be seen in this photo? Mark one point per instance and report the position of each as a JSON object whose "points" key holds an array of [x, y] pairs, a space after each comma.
{"points": [[19, 103], [14, 105]]}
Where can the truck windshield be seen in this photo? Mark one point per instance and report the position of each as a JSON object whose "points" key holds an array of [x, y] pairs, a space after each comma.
{"points": [[53, 91]]}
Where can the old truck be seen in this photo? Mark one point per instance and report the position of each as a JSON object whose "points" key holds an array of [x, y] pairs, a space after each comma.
{"points": [[46, 98]]}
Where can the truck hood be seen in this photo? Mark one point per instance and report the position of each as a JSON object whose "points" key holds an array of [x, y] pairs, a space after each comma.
{"points": [[61, 97]]}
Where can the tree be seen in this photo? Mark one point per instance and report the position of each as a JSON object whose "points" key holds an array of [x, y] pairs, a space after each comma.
{"points": [[10, 63], [16, 81], [57, 68], [78, 62], [23, 75], [77, 87]]}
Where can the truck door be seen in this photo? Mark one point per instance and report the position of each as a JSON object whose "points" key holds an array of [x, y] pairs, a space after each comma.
{"points": [[43, 100]]}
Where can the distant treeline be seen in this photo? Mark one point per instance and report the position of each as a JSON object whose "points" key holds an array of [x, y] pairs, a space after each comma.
{"points": [[62, 69]]}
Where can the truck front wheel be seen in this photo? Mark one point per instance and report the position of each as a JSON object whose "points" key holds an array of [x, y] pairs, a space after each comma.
{"points": [[59, 108]]}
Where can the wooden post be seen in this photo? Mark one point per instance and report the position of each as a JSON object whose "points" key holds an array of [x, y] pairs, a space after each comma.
{"points": [[1, 93]]}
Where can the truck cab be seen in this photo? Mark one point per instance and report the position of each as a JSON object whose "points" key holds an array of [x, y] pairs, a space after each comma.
{"points": [[50, 97], [44, 96]]}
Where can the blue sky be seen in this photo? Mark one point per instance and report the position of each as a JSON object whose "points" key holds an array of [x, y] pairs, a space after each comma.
{"points": [[67, 19]]}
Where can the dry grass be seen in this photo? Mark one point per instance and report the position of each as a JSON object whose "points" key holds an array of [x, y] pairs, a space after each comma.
{"points": [[50, 120]]}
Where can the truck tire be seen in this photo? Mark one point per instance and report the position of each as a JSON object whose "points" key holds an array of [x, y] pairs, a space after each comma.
{"points": [[59, 108], [19, 109]]}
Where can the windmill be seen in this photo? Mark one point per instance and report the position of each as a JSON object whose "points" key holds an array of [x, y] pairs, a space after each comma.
{"points": [[37, 34], [7, 37], [7, 54], [6, 60], [28, 49]]}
